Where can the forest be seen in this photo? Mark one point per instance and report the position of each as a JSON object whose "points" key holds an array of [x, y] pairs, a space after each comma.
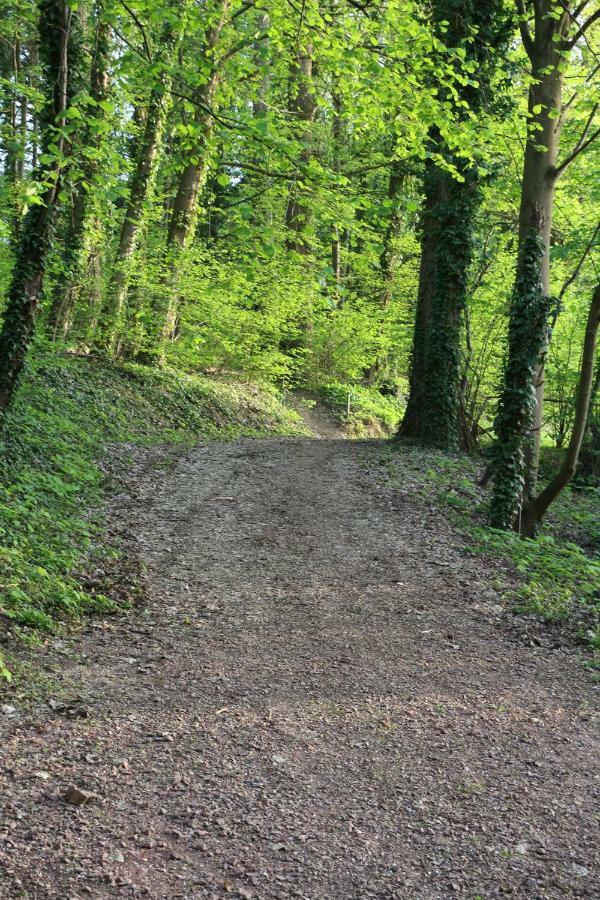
{"points": [[226, 220]]}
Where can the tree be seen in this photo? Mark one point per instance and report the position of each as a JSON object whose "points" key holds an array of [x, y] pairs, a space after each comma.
{"points": [[535, 507], [190, 184], [303, 109], [85, 186], [142, 181], [450, 184], [519, 420], [60, 53]]}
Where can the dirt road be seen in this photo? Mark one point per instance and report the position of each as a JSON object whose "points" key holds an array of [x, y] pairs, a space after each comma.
{"points": [[322, 698]]}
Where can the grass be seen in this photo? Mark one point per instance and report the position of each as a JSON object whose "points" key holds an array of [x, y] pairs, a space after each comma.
{"points": [[65, 414], [559, 572]]}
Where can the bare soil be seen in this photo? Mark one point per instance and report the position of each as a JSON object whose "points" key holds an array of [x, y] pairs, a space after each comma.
{"points": [[322, 696]]}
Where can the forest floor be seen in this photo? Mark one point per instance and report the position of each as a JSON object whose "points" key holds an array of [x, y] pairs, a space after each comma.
{"points": [[321, 696]]}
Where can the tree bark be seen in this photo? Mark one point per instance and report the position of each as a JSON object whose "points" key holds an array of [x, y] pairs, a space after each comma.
{"points": [[142, 183], [519, 420], [535, 508], [431, 415], [387, 258], [588, 471], [25, 290], [303, 109], [336, 239], [67, 283]]}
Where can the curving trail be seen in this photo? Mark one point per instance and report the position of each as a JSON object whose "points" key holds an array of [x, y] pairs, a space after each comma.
{"points": [[321, 699]]}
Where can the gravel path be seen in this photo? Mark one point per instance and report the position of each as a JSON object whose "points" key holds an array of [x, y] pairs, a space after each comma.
{"points": [[322, 699]]}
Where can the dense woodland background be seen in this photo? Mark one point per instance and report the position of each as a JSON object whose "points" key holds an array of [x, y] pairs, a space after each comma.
{"points": [[395, 200]]}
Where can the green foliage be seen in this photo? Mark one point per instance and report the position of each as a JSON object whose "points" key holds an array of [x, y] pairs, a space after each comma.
{"points": [[371, 413], [558, 580], [66, 411], [47, 477]]}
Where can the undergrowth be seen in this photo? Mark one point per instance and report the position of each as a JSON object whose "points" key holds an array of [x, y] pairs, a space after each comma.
{"points": [[65, 414], [371, 414], [559, 572]]}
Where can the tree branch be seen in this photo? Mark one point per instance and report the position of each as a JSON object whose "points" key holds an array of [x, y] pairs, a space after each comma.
{"points": [[133, 48], [371, 168], [243, 9], [248, 199], [140, 27], [569, 281], [524, 28], [245, 43], [582, 144], [583, 28], [259, 170], [535, 509], [575, 94]]}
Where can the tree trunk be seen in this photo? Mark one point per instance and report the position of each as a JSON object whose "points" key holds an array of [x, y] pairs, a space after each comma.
{"points": [[10, 71], [589, 462], [431, 414], [59, 57], [142, 183], [303, 109], [534, 509], [447, 237], [519, 419], [387, 258], [336, 240], [67, 284], [185, 206]]}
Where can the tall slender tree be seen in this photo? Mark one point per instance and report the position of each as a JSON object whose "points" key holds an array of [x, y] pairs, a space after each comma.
{"points": [[61, 57], [190, 185], [142, 182], [535, 507], [84, 186], [519, 420], [302, 110]]}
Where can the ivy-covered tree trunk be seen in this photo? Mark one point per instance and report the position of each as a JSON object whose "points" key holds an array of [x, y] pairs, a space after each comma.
{"points": [[519, 420], [447, 236], [67, 283], [59, 50], [142, 183], [185, 206], [446, 244]]}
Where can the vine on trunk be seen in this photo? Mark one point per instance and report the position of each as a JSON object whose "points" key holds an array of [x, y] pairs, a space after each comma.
{"points": [[454, 242], [516, 412]]}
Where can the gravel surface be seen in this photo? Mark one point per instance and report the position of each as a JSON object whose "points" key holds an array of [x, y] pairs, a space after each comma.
{"points": [[322, 697]]}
